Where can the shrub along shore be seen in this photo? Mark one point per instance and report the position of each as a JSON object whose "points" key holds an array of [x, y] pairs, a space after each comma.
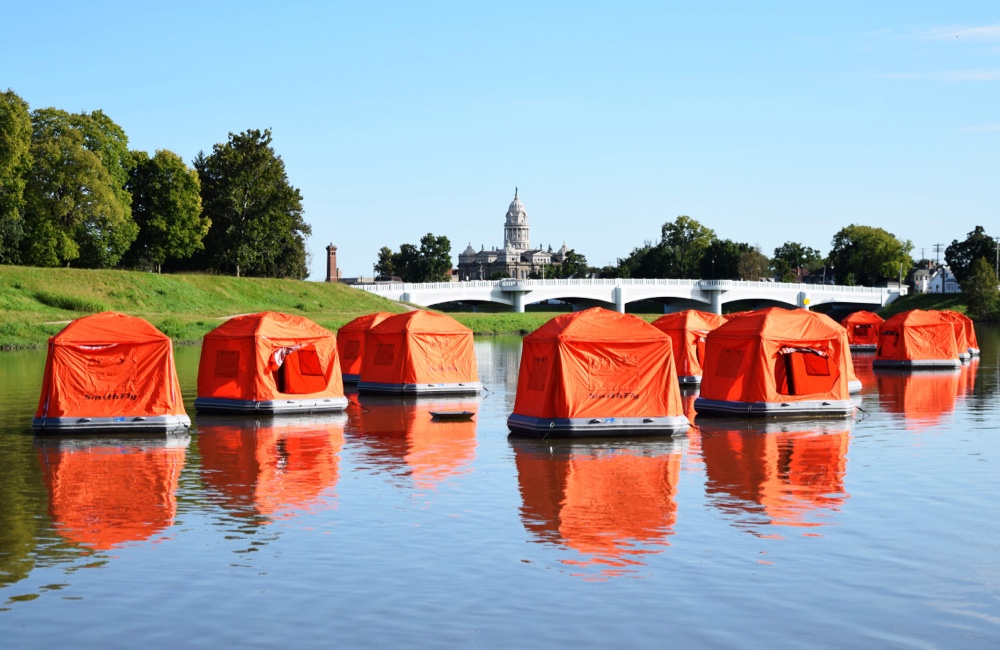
{"points": [[36, 303]]}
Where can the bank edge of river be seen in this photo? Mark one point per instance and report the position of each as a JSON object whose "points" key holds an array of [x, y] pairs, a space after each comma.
{"points": [[36, 303]]}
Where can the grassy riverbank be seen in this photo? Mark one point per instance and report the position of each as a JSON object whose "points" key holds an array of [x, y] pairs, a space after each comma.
{"points": [[36, 303]]}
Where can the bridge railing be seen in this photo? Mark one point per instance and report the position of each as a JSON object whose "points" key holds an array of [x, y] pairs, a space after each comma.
{"points": [[527, 285]]}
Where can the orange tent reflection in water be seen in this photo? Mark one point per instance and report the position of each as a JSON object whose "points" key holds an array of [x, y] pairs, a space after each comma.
{"points": [[105, 493], [781, 473], [922, 397], [611, 502], [967, 377], [274, 467], [400, 435]]}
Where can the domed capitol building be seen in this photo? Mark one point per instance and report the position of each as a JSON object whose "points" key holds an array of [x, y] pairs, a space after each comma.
{"points": [[517, 259]]}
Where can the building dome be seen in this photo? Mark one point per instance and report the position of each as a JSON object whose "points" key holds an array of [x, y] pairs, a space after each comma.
{"points": [[516, 212], [469, 251]]}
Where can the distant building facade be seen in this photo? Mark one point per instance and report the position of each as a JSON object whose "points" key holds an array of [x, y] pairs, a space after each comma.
{"points": [[516, 259]]}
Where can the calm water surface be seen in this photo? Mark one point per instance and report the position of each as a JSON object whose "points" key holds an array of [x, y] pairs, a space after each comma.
{"points": [[382, 527]]}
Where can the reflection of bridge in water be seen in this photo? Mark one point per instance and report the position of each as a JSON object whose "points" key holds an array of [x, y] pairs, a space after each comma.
{"points": [[707, 295]]}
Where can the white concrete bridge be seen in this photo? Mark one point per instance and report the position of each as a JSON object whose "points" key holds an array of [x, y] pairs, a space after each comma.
{"points": [[707, 295]]}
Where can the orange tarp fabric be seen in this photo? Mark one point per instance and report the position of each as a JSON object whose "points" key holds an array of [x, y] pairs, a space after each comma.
{"points": [[403, 437], [687, 331], [602, 503], [272, 469], [351, 341], [597, 363], [790, 478], [965, 331], [109, 365], [776, 355], [106, 495], [862, 327], [917, 335], [419, 347], [267, 356]]}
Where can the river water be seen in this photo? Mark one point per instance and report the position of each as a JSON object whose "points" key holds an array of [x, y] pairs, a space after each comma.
{"points": [[382, 527]]}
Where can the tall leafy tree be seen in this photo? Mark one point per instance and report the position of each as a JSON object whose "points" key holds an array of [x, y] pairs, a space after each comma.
{"points": [[15, 164], [721, 259], [431, 262], [980, 288], [791, 256], [574, 265], [753, 265], [257, 226], [166, 205], [962, 255], [74, 212], [683, 242], [435, 258], [870, 254]]}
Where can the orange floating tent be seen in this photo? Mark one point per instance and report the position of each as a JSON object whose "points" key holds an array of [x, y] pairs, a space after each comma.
{"points": [[862, 330], [965, 333], [596, 372], [776, 362], [351, 344], [917, 339], [614, 506], [687, 331], [785, 473], [419, 353], [275, 468], [110, 371], [103, 493], [269, 363]]}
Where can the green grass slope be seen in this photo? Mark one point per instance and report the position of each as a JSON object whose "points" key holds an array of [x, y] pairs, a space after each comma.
{"points": [[36, 303]]}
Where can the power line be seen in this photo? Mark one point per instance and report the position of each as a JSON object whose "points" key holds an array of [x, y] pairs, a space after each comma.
{"points": [[937, 253]]}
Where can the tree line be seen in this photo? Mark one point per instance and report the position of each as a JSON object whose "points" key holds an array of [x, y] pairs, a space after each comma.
{"points": [[72, 193], [686, 249]]}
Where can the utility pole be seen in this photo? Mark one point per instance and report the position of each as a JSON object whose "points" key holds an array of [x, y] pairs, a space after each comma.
{"points": [[937, 253], [996, 268]]}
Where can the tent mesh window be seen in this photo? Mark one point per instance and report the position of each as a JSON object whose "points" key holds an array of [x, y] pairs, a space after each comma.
{"points": [[887, 346], [730, 362], [539, 373], [352, 350], [227, 364], [384, 354]]}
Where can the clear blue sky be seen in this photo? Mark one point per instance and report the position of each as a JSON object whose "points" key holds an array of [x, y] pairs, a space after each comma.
{"points": [[767, 122]]}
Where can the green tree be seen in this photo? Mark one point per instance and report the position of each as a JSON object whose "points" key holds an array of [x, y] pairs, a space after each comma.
{"points": [[434, 259], [721, 259], [683, 243], [166, 205], [871, 254], [753, 265], [15, 164], [431, 262], [256, 215], [643, 262], [791, 256], [73, 210], [980, 288], [962, 255], [574, 265]]}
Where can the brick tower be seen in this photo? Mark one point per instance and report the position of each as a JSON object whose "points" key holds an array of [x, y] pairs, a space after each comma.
{"points": [[332, 272]]}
